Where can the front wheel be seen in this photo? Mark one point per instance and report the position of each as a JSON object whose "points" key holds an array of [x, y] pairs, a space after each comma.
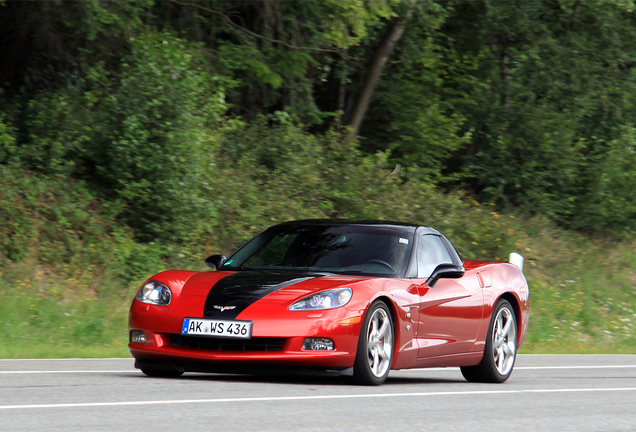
{"points": [[163, 371], [501, 348], [375, 346]]}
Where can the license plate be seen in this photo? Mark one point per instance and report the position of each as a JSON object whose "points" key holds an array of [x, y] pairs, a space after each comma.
{"points": [[219, 328]]}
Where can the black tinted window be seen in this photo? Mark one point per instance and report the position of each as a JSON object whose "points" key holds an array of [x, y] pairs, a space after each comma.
{"points": [[346, 249]]}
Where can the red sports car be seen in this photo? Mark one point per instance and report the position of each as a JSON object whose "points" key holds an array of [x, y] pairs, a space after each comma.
{"points": [[357, 298]]}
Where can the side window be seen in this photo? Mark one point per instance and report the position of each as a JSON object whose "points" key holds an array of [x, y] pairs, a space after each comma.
{"points": [[431, 252]]}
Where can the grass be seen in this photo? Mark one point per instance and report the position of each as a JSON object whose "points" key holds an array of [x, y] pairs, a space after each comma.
{"points": [[41, 317], [582, 294], [582, 299]]}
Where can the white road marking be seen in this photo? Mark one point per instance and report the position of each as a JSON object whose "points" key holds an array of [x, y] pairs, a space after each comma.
{"points": [[307, 398], [574, 367], [67, 371], [452, 368], [68, 359]]}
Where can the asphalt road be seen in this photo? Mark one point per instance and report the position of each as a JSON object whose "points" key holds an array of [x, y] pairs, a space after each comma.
{"points": [[545, 393]]}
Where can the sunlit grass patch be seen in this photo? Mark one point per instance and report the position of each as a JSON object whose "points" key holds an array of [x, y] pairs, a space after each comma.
{"points": [[56, 320], [583, 295]]}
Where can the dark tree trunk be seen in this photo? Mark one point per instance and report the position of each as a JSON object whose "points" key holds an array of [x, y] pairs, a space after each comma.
{"points": [[575, 12], [377, 65], [505, 73], [342, 95]]}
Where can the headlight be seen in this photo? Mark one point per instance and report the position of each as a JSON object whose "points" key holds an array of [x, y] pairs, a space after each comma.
{"points": [[154, 293], [330, 299]]}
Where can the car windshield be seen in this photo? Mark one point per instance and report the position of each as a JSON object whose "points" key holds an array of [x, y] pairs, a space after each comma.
{"points": [[373, 250]]}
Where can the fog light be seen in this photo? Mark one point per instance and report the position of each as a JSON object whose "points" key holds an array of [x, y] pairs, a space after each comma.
{"points": [[318, 344], [137, 336]]}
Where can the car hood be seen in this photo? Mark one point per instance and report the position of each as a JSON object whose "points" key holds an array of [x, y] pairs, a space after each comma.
{"points": [[227, 294]]}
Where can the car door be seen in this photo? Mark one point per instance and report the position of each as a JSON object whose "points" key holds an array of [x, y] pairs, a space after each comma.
{"points": [[450, 312]]}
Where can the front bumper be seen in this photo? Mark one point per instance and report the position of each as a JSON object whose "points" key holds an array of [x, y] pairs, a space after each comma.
{"points": [[290, 354], [288, 329]]}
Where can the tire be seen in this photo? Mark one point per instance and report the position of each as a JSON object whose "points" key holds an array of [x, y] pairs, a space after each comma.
{"points": [[163, 373], [375, 346], [500, 351]]}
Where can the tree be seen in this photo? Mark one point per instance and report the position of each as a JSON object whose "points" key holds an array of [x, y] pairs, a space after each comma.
{"points": [[140, 138], [556, 81], [373, 76], [414, 112]]}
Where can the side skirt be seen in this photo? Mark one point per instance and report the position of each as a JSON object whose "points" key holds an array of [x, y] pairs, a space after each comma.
{"points": [[454, 360]]}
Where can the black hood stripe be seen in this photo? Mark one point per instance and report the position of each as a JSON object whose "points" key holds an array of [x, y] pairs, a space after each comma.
{"points": [[240, 290]]}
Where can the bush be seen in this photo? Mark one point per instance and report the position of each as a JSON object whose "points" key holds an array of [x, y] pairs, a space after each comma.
{"points": [[7, 139], [271, 171], [142, 137], [59, 224], [611, 204]]}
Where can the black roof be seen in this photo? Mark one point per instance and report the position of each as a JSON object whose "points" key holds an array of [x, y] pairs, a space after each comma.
{"points": [[347, 222], [340, 222]]}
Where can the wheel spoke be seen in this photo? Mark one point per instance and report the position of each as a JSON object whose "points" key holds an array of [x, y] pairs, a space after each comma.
{"points": [[382, 333], [385, 352], [374, 326], [507, 352], [497, 343], [506, 329], [509, 348], [376, 362], [498, 325], [500, 359]]}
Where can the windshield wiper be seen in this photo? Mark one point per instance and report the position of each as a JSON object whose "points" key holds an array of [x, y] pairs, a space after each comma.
{"points": [[239, 268]]}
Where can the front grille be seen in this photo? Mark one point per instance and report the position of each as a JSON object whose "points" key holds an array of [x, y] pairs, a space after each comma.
{"points": [[226, 344]]}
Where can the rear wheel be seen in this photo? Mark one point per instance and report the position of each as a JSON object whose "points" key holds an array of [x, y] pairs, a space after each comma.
{"points": [[375, 346], [501, 348]]}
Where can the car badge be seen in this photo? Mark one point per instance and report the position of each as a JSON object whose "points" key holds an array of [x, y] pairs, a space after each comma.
{"points": [[224, 308]]}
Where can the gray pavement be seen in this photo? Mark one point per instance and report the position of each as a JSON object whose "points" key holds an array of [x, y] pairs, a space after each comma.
{"points": [[545, 393]]}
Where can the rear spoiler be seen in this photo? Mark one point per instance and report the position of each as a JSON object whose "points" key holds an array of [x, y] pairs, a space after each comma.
{"points": [[516, 259]]}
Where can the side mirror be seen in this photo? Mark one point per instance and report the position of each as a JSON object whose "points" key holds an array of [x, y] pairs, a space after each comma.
{"points": [[215, 261], [446, 271]]}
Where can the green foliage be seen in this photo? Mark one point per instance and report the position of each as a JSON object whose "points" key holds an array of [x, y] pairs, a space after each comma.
{"points": [[142, 138], [110, 18], [248, 62], [7, 140], [414, 112], [49, 322], [570, 311], [555, 86], [346, 22], [68, 271], [48, 45], [54, 221], [611, 203], [272, 170]]}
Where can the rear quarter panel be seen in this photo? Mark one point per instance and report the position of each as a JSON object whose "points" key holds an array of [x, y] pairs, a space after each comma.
{"points": [[507, 281]]}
